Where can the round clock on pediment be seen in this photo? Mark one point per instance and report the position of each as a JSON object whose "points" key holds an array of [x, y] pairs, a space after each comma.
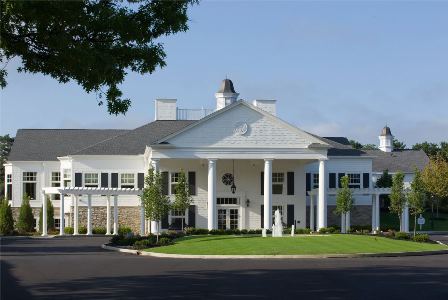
{"points": [[227, 179]]}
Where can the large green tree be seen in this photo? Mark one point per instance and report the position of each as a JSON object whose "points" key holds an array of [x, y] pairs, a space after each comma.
{"points": [[92, 42], [26, 218], [433, 150], [398, 196], [416, 197], [5, 147], [435, 179], [50, 216], [6, 219], [183, 199], [155, 203], [344, 202], [385, 180], [398, 145]]}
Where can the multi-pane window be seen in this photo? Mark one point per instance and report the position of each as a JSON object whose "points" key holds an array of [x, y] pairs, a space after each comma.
{"points": [[174, 182], [56, 182], [315, 180], [177, 219], [91, 179], [57, 223], [29, 184], [67, 177], [274, 208], [9, 186], [127, 181], [223, 201], [277, 183], [354, 180]]}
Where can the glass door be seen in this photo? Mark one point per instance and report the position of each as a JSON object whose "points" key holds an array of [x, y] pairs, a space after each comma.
{"points": [[222, 219]]}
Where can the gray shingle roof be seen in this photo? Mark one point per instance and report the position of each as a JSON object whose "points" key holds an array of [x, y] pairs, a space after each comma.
{"points": [[134, 141], [401, 160], [48, 144], [226, 87]]}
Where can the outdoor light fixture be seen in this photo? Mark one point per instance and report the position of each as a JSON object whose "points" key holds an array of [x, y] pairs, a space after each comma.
{"points": [[247, 202], [233, 187]]}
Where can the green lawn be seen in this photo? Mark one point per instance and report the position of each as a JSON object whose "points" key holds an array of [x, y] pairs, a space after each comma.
{"points": [[391, 221], [300, 244]]}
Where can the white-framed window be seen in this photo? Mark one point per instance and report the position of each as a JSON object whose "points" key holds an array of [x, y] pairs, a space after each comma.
{"points": [[177, 218], [127, 180], [67, 177], [174, 178], [29, 184], [277, 183], [274, 208], [55, 182], [315, 180], [8, 186], [57, 223], [226, 201], [91, 179], [354, 180]]}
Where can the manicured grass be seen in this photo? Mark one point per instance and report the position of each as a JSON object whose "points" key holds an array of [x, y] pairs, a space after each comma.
{"points": [[390, 221], [301, 244]]}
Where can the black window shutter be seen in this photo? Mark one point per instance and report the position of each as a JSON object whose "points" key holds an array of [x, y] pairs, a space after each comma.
{"points": [[290, 215], [114, 180], [164, 222], [262, 183], [164, 183], [9, 191], [140, 180], [332, 181], [191, 216], [192, 183], [262, 216], [290, 183], [308, 182], [366, 180], [78, 179], [340, 175], [104, 180]]}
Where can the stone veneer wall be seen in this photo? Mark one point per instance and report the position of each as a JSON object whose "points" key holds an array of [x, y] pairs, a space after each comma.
{"points": [[360, 215]]}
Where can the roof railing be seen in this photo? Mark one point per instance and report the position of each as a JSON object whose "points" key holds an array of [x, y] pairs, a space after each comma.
{"points": [[193, 114]]}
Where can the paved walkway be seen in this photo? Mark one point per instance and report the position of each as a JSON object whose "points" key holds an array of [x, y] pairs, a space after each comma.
{"points": [[77, 268]]}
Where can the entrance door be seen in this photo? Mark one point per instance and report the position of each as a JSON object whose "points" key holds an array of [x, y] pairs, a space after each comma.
{"points": [[228, 218]]}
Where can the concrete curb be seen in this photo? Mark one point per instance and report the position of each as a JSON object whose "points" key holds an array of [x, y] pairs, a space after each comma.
{"points": [[16, 237], [189, 256]]}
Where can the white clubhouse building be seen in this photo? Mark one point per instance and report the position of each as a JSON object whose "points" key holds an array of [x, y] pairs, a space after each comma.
{"points": [[94, 177]]}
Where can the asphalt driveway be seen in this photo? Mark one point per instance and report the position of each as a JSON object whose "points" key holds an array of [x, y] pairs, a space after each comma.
{"points": [[77, 268]]}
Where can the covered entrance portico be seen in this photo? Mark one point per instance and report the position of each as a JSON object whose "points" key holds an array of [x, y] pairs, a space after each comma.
{"points": [[76, 192]]}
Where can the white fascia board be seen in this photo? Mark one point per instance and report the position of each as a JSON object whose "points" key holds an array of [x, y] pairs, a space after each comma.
{"points": [[106, 157]]}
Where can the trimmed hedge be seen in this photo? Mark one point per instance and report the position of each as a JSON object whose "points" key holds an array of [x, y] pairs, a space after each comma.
{"points": [[399, 235], [421, 238], [68, 230], [99, 230]]}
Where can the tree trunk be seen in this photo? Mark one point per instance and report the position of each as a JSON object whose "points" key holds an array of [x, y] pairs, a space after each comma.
{"points": [[415, 224], [399, 220], [343, 223]]}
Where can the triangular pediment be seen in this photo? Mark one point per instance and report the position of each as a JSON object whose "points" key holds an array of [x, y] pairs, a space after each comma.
{"points": [[242, 126]]}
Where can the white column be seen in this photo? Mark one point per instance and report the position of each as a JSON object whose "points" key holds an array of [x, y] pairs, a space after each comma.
{"points": [[76, 216], [322, 212], [373, 214], [108, 215], [405, 218], [347, 221], [155, 164], [343, 223], [142, 220], [61, 215], [89, 214], [115, 214], [312, 213], [377, 212], [212, 222], [44, 214], [267, 194]]}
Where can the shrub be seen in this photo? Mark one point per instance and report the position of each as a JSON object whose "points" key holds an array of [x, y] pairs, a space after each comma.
{"points": [[401, 235], [142, 244], [421, 238], [303, 231], [26, 218], [255, 231], [164, 241], [124, 230], [6, 219], [68, 230], [243, 231], [195, 231], [325, 230], [82, 230], [99, 230]]}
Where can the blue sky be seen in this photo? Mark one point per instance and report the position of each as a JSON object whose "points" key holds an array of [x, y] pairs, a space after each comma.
{"points": [[335, 68]]}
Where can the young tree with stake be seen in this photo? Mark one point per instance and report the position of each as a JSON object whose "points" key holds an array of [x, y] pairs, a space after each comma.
{"points": [[344, 202], [398, 197], [183, 199], [155, 203], [416, 197]]}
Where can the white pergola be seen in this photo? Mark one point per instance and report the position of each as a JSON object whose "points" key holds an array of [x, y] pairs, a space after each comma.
{"points": [[374, 193], [89, 191]]}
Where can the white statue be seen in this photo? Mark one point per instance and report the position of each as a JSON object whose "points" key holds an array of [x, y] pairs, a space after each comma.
{"points": [[277, 228]]}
